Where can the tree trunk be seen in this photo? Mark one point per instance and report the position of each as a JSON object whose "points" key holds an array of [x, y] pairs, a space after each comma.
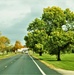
{"points": [[40, 53], [58, 56]]}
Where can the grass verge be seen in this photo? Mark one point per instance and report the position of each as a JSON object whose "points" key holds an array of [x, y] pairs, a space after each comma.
{"points": [[6, 55], [67, 61]]}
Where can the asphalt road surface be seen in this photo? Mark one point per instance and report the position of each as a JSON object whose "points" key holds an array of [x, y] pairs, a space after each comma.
{"points": [[23, 64]]}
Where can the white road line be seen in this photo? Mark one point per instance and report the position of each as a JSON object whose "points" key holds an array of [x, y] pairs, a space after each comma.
{"points": [[37, 66], [5, 66]]}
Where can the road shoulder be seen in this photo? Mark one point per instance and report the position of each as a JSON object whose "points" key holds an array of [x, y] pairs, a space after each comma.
{"points": [[62, 71]]}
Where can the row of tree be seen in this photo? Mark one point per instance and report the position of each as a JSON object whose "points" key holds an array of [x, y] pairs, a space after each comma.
{"points": [[17, 46], [52, 33], [6, 47]]}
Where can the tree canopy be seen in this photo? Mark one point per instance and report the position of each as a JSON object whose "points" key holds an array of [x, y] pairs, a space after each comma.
{"points": [[53, 33], [4, 42], [18, 45]]}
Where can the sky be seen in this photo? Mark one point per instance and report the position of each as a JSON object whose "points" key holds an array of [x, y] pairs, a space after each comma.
{"points": [[15, 15]]}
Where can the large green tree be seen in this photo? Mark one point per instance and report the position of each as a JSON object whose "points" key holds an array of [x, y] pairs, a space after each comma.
{"points": [[51, 24], [59, 40]]}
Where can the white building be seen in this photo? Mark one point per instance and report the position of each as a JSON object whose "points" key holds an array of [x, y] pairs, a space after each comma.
{"points": [[23, 50]]}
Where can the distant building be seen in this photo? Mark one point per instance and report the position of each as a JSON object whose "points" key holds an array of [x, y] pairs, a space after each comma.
{"points": [[23, 50]]}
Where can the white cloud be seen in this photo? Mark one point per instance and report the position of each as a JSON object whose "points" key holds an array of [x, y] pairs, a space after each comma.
{"points": [[13, 10], [70, 4], [15, 15]]}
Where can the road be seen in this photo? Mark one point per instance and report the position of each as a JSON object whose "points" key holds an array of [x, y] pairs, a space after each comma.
{"points": [[23, 64]]}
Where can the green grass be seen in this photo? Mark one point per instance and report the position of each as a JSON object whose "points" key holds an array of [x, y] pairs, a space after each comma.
{"points": [[67, 60], [6, 55]]}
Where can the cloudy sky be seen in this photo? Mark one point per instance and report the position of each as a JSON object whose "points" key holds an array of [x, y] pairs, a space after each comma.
{"points": [[15, 15]]}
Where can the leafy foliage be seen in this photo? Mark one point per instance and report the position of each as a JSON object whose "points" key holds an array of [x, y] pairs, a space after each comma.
{"points": [[4, 42], [17, 46], [37, 24], [54, 16], [46, 34]]}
